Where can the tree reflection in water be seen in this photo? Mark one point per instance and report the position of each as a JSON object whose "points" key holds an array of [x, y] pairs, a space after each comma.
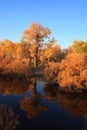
{"points": [[8, 121], [15, 86], [74, 104], [51, 92], [32, 105]]}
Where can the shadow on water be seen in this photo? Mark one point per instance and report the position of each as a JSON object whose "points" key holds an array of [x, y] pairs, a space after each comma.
{"points": [[34, 104]]}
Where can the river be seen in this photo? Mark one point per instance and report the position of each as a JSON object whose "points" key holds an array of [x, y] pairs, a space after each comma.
{"points": [[29, 104]]}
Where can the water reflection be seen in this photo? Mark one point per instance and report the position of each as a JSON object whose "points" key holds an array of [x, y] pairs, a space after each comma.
{"points": [[8, 120], [32, 105], [14, 86], [35, 103], [50, 92], [73, 104]]}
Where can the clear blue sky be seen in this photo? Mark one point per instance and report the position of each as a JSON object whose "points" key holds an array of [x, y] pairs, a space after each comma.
{"points": [[67, 19]]}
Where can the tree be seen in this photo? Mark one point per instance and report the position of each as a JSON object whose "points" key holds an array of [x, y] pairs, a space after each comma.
{"points": [[35, 35], [7, 47], [79, 47], [51, 50], [73, 72]]}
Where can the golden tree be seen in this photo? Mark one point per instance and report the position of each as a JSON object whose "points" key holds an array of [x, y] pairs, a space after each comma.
{"points": [[79, 47], [73, 71], [35, 35]]}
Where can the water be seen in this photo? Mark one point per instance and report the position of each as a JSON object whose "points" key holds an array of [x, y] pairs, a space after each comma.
{"points": [[34, 104]]}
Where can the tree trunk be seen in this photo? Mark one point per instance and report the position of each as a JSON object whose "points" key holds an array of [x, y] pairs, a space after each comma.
{"points": [[35, 58], [48, 60], [35, 61], [29, 63]]}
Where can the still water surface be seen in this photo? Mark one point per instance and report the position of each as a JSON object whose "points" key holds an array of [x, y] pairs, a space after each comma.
{"points": [[31, 104]]}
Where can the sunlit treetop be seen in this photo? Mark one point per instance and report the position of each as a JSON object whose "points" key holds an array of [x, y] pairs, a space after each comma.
{"points": [[79, 46], [35, 33]]}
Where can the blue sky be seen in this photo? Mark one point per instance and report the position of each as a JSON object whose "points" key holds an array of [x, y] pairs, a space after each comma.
{"points": [[67, 19]]}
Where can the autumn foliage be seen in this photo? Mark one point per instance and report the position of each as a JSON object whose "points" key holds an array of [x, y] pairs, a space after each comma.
{"points": [[51, 71], [73, 72], [10, 66], [67, 67], [34, 36], [70, 73]]}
